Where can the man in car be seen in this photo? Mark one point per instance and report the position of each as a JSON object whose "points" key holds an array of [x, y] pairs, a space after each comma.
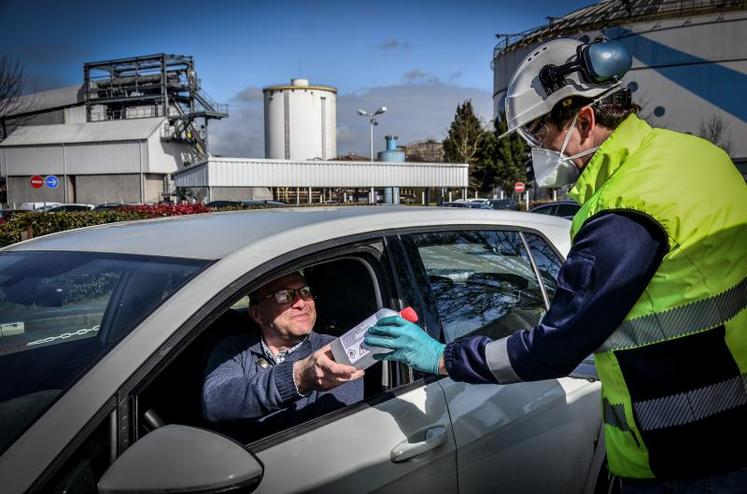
{"points": [[283, 373], [655, 284]]}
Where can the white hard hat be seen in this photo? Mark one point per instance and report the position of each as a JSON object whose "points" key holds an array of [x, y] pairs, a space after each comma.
{"points": [[558, 69]]}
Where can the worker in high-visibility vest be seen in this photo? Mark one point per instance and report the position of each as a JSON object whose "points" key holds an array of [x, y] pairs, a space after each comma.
{"points": [[655, 284]]}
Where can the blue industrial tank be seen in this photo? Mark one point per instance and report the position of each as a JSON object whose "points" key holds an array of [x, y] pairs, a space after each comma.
{"points": [[392, 154]]}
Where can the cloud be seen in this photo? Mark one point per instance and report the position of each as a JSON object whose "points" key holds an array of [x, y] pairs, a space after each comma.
{"points": [[455, 75], [414, 112], [393, 44], [417, 76], [250, 94]]}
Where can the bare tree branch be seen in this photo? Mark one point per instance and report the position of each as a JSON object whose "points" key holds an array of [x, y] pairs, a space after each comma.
{"points": [[714, 130], [11, 102]]}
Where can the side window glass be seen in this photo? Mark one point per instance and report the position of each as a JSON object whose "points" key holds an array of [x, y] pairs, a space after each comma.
{"points": [[547, 261], [482, 281], [82, 471], [567, 210], [412, 277]]}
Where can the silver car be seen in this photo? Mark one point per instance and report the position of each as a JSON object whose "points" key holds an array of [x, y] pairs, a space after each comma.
{"points": [[105, 332]]}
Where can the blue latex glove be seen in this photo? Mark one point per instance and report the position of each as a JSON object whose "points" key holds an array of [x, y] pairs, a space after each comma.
{"points": [[411, 345]]}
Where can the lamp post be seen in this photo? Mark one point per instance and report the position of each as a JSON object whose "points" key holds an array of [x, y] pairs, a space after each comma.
{"points": [[371, 122]]}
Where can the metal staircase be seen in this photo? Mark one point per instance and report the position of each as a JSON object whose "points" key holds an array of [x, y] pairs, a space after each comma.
{"points": [[160, 85]]}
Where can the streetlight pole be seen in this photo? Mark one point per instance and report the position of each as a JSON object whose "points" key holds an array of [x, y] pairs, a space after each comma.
{"points": [[371, 122]]}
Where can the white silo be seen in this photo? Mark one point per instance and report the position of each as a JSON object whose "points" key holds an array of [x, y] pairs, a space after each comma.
{"points": [[300, 121]]}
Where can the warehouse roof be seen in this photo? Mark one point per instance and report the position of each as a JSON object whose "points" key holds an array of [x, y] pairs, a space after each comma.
{"points": [[255, 172], [106, 131], [49, 100]]}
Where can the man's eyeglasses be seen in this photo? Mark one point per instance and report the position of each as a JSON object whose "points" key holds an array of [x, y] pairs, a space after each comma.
{"points": [[288, 295]]}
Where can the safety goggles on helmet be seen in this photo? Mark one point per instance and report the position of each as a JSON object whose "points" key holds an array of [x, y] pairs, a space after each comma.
{"points": [[599, 62], [535, 132]]}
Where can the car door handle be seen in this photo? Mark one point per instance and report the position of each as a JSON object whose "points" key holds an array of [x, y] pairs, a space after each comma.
{"points": [[405, 450]]}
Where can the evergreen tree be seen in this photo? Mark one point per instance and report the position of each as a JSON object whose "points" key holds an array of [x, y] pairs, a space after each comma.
{"points": [[465, 142], [510, 158]]}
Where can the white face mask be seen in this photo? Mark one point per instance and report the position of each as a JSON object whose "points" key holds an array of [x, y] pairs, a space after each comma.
{"points": [[552, 169]]}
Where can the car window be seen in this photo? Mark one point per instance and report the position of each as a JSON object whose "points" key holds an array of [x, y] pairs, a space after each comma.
{"points": [[566, 210], [483, 282], [544, 210], [547, 260], [61, 311], [346, 291]]}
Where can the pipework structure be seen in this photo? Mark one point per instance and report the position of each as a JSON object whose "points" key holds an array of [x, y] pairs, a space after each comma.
{"points": [[161, 85]]}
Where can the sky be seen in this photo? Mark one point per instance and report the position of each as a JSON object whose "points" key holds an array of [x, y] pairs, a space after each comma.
{"points": [[420, 59]]}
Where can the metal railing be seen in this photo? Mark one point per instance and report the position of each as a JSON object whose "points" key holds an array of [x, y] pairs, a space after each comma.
{"points": [[599, 16]]}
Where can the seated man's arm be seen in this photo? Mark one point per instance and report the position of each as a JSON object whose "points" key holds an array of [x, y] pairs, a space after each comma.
{"points": [[236, 388]]}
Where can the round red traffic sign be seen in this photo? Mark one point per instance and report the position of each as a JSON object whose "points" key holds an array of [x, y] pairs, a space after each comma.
{"points": [[37, 181], [519, 187]]}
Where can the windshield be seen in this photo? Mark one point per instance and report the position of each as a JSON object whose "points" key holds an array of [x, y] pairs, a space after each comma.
{"points": [[60, 312]]}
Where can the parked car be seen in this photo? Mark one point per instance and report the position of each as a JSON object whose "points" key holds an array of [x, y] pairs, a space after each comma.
{"points": [[563, 209], [509, 204], [247, 204], [70, 207], [465, 204], [479, 200], [38, 206], [113, 206], [106, 332]]}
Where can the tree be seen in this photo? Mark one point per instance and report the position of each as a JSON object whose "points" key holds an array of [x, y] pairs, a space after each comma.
{"points": [[465, 142], [714, 131], [510, 156], [11, 78]]}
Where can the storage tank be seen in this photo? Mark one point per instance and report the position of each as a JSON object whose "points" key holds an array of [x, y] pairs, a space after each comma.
{"points": [[689, 62], [391, 154], [300, 121]]}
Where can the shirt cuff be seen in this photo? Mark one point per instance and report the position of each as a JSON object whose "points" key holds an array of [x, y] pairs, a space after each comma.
{"points": [[496, 356]]}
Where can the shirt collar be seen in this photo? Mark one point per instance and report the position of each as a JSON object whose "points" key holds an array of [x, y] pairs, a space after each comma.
{"points": [[282, 355]]}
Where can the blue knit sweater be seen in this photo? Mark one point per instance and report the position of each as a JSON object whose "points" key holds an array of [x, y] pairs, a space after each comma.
{"points": [[238, 388]]}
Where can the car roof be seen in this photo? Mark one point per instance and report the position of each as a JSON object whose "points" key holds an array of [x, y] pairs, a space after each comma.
{"points": [[213, 236]]}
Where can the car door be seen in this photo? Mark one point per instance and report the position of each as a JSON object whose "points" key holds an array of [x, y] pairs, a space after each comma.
{"points": [[398, 440], [525, 437], [404, 443]]}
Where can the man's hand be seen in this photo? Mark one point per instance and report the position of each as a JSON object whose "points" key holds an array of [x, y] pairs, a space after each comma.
{"points": [[320, 371], [411, 345]]}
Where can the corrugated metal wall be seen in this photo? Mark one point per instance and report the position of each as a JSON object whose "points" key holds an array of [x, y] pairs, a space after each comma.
{"points": [[279, 173]]}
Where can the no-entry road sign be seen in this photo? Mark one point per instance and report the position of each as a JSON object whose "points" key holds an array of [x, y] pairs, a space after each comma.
{"points": [[37, 181], [519, 187]]}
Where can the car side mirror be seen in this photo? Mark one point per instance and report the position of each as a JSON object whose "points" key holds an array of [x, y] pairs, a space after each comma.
{"points": [[178, 458]]}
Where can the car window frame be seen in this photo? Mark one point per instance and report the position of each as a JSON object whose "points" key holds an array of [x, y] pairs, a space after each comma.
{"points": [[452, 228], [202, 318]]}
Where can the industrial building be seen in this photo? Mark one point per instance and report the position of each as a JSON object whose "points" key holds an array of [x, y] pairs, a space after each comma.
{"points": [[136, 131], [117, 137], [689, 62]]}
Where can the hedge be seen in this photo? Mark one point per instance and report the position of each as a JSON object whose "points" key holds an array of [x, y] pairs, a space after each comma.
{"points": [[33, 224]]}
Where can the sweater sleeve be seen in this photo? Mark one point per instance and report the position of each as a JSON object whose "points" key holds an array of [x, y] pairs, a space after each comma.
{"points": [[235, 387], [613, 259]]}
